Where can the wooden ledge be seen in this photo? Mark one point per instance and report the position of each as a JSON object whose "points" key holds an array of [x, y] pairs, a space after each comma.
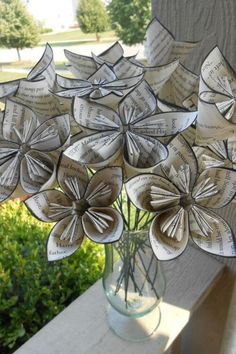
{"points": [[82, 327]]}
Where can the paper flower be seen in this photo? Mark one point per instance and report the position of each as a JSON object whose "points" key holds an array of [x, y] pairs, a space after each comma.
{"points": [[132, 131], [156, 76], [100, 84], [181, 89], [219, 154], [45, 68], [83, 208], [217, 97], [24, 151], [183, 201], [82, 66], [161, 46]]}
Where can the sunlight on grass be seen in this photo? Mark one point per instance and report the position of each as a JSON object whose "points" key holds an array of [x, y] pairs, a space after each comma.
{"points": [[5, 76], [74, 35]]}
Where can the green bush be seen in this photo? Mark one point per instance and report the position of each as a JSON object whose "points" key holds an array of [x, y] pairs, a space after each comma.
{"points": [[33, 291]]}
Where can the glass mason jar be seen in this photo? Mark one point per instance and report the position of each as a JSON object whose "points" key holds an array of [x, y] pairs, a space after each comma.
{"points": [[134, 285]]}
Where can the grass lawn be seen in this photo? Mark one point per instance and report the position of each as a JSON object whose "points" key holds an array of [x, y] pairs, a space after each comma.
{"points": [[5, 76], [74, 35], [60, 65]]}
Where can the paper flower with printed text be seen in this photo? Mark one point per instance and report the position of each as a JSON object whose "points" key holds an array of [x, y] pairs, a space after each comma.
{"points": [[132, 131], [81, 208], [183, 201], [24, 152]]}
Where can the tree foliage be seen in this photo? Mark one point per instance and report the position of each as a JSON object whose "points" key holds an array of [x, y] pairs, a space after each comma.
{"points": [[129, 19], [17, 27], [92, 16]]}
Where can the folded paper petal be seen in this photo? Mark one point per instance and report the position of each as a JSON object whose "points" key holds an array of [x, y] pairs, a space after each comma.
{"points": [[103, 225], [72, 177], [65, 238], [224, 184], [166, 248], [143, 152], [49, 205], [9, 176], [37, 171], [19, 122], [211, 124], [8, 89], [52, 134], [94, 116], [104, 187], [81, 66], [96, 150], [164, 124], [140, 102], [124, 68], [180, 154], [45, 67], [157, 76], [220, 242], [142, 190], [110, 55]]}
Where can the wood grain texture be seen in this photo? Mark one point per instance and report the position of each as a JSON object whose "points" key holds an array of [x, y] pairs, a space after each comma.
{"points": [[211, 20]]}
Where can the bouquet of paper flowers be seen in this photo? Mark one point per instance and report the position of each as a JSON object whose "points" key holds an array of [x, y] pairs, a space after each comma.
{"points": [[68, 145]]}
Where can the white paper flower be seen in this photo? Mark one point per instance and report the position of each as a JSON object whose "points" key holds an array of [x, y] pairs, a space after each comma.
{"points": [[217, 100], [183, 201], [161, 46], [24, 151], [132, 131], [218, 154], [82, 66], [44, 69], [83, 208], [100, 84]]}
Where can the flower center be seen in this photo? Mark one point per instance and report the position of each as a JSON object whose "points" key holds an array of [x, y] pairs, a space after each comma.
{"points": [[186, 201], [79, 207], [24, 148], [124, 128]]}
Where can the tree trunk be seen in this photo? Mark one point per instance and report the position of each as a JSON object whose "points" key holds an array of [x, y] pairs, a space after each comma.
{"points": [[98, 37], [18, 54]]}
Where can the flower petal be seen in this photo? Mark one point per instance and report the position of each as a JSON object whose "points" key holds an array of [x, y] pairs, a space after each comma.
{"points": [[164, 124], [95, 116], [51, 134], [72, 177], [166, 248], [110, 55], [141, 99], [50, 205], [96, 150], [58, 248], [143, 151], [103, 225], [224, 181], [19, 122], [180, 154], [9, 177], [104, 187], [37, 171], [126, 69], [221, 241], [140, 189], [81, 66]]}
